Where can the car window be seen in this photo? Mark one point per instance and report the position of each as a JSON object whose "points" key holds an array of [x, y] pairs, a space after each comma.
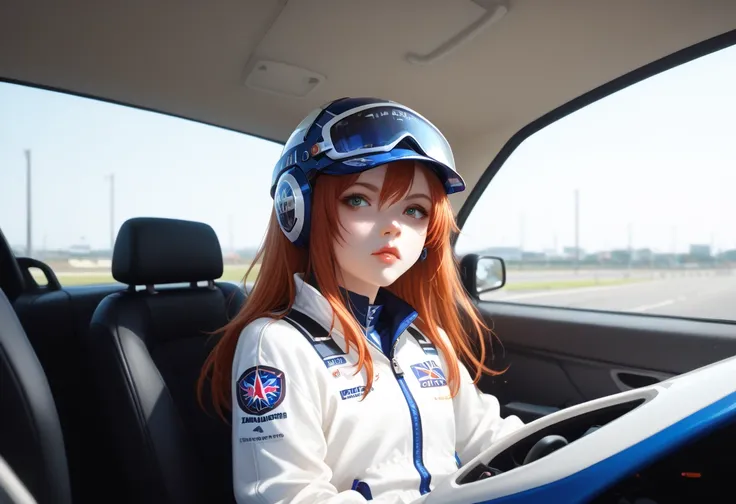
{"points": [[625, 205], [95, 164]]}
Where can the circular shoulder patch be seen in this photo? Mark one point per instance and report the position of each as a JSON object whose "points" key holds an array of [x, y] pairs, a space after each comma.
{"points": [[261, 389]]}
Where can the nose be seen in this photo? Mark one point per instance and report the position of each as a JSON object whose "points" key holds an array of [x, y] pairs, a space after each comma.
{"points": [[392, 228]]}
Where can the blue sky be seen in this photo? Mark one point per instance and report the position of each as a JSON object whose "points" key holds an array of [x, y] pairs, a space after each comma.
{"points": [[658, 159]]}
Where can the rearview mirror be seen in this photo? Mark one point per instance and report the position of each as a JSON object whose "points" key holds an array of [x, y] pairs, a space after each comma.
{"points": [[482, 274]]}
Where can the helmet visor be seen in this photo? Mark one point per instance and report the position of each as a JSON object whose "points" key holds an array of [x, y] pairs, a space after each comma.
{"points": [[381, 128]]}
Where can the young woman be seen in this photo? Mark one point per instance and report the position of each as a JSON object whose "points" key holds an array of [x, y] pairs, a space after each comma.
{"points": [[343, 371]]}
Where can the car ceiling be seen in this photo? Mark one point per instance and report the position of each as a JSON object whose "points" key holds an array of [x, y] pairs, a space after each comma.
{"points": [[191, 58]]}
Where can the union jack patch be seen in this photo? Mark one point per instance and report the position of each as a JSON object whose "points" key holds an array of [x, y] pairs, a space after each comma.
{"points": [[429, 374]]}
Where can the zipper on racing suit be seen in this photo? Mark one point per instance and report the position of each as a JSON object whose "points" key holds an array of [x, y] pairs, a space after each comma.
{"points": [[416, 424]]}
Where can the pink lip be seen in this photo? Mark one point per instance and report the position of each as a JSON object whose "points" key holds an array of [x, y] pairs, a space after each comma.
{"points": [[387, 255], [388, 251]]}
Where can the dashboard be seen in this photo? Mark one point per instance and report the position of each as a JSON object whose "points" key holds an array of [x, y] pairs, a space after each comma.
{"points": [[700, 472], [670, 442]]}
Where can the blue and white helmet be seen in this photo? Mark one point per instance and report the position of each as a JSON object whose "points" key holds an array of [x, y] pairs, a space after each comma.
{"points": [[351, 135]]}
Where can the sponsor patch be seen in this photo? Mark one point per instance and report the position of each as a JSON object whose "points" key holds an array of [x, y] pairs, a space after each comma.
{"points": [[335, 361], [257, 429], [453, 182], [263, 419], [261, 389], [352, 392], [256, 439], [429, 374]]}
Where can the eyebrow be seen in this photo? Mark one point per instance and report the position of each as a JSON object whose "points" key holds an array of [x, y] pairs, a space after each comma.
{"points": [[375, 189], [419, 196], [368, 186]]}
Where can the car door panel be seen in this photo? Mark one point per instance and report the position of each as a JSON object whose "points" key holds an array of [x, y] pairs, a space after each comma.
{"points": [[531, 379], [558, 357]]}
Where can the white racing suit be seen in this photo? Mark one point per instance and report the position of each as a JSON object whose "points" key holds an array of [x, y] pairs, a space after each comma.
{"points": [[301, 433]]}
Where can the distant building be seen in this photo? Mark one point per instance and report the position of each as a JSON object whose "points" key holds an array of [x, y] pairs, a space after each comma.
{"points": [[505, 253], [700, 251], [642, 255], [81, 249], [570, 252], [534, 256]]}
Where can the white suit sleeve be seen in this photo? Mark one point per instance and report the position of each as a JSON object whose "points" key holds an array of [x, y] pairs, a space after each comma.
{"points": [[278, 441], [478, 422]]}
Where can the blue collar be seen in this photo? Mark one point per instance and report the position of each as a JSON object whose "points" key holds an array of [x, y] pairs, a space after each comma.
{"points": [[389, 316]]}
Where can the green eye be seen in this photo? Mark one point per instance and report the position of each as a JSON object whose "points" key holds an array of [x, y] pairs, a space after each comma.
{"points": [[417, 213], [356, 201]]}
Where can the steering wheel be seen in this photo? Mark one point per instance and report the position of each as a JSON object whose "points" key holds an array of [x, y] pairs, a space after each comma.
{"points": [[544, 447]]}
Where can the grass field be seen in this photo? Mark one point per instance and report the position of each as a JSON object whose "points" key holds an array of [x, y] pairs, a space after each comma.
{"points": [[232, 273], [569, 284], [235, 273]]}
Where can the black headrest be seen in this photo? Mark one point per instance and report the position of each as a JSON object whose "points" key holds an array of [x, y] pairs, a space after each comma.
{"points": [[151, 251]]}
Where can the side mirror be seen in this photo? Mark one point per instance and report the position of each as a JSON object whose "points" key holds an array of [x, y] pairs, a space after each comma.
{"points": [[481, 274]]}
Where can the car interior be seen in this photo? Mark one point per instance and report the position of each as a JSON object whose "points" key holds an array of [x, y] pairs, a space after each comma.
{"points": [[97, 381]]}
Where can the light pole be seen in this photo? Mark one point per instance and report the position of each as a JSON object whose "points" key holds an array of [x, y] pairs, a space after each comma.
{"points": [[29, 226], [577, 230], [111, 178], [230, 227]]}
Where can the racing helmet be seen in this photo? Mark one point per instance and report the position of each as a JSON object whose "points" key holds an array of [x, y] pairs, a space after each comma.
{"points": [[350, 135]]}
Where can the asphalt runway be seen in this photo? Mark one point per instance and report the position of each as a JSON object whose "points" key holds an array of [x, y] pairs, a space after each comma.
{"points": [[710, 294]]}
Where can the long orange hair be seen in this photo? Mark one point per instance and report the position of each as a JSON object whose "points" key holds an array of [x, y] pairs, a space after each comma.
{"points": [[432, 287]]}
